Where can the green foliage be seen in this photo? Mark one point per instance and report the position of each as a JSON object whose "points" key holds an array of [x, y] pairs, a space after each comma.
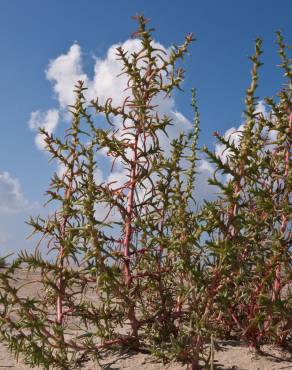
{"points": [[250, 225], [139, 264]]}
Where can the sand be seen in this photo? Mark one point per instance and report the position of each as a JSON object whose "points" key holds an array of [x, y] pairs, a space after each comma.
{"points": [[229, 355]]}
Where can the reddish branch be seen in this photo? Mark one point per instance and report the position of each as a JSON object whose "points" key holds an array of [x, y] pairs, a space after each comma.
{"points": [[128, 232]]}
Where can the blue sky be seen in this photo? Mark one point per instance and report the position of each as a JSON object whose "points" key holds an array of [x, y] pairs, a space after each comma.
{"points": [[33, 33]]}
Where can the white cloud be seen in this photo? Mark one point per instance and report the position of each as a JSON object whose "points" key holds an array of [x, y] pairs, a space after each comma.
{"points": [[261, 108], [234, 134], [47, 120], [67, 69], [107, 82], [64, 72], [203, 190], [11, 197], [61, 169]]}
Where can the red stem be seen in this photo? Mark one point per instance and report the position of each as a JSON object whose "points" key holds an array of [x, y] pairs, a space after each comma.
{"points": [[129, 232]]}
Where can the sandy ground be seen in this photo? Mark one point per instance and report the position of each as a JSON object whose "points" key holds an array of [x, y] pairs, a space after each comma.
{"points": [[228, 356], [232, 356]]}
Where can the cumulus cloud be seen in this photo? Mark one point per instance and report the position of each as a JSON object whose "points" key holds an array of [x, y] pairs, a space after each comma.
{"points": [[261, 108], [47, 120], [64, 72], [11, 198], [234, 134], [107, 82]]}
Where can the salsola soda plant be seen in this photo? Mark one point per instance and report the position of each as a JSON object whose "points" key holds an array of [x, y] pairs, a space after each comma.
{"points": [[112, 281], [134, 263], [249, 226]]}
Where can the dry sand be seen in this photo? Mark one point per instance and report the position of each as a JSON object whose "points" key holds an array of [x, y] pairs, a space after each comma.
{"points": [[229, 355], [232, 356]]}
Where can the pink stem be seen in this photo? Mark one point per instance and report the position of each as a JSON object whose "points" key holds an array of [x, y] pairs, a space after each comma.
{"points": [[128, 234]]}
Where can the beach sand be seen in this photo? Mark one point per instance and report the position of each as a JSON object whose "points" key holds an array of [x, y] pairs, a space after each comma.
{"points": [[232, 356], [228, 355]]}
